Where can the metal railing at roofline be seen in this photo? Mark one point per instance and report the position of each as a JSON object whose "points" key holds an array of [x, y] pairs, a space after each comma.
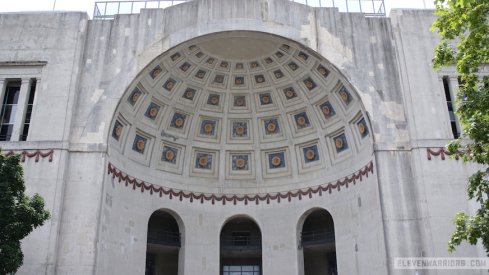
{"points": [[109, 9]]}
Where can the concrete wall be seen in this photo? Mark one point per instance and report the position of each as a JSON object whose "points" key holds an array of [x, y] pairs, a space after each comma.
{"points": [[433, 181], [126, 212], [53, 42], [99, 226]]}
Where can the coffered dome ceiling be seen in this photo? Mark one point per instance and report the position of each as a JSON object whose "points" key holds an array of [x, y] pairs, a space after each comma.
{"points": [[240, 110]]}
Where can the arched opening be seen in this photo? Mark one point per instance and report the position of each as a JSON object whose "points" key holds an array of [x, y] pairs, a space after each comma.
{"points": [[240, 246], [317, 241], [241, 113], [163, 244]]}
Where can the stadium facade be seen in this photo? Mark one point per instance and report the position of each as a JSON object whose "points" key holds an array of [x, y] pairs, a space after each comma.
{"points": [[233, 137]]}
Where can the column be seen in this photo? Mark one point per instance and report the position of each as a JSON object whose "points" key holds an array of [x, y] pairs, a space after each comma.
{"points": [[3, 85], [32, 131], [21, 109]]}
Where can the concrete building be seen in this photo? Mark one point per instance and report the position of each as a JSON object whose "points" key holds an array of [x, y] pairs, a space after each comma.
{"points": [[232, 137]]}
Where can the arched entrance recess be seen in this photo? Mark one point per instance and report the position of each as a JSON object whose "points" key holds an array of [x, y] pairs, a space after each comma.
{"points": [[317, 244], [163, 244], [239, 118], [240, 247]]}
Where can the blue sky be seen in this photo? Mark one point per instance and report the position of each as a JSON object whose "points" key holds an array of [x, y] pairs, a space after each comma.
{"points": [[88, 5]]}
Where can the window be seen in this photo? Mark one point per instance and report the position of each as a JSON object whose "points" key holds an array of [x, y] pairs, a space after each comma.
{"points": [[9, 108], [241, 270], [450, 105], [17, 98], [28, 112]]}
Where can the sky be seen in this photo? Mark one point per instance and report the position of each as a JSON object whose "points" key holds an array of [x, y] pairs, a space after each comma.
{"points": [[88, 5]]}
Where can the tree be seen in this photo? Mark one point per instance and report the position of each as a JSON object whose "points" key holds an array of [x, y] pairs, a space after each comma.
{"points": [[464, 31], [19, 214]]}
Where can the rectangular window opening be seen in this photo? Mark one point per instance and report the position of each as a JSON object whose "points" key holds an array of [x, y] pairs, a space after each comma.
{"points": [[28, 112], [450, 107], [8, 110]]}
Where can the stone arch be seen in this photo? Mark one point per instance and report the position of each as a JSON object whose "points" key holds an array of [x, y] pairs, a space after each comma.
{"points": [[240, 245], [316, 243], [165, 243]]}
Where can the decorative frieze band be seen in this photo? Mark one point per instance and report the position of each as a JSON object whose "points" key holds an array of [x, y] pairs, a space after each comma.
{"points": [[36, 154], [442, 152], [278, 196]]}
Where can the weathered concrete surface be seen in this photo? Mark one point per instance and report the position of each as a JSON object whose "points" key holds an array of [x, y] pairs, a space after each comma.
{"points": [[99, 226]]}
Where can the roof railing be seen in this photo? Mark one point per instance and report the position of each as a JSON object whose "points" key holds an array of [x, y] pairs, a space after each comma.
{"points": [[104, 10]]}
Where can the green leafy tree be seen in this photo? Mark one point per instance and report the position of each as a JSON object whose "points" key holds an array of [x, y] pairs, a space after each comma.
{"points": [[464, 31], [19, 214]]}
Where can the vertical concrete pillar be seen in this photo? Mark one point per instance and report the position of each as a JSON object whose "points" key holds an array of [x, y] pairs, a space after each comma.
{"points": [[21, 110], [3, 85], [201, 254], [279, 251], [34, 107]]}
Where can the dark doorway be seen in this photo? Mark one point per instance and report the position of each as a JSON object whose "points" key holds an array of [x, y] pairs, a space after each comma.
{"points": [[163, 244], [318, 244], [240, 245]]}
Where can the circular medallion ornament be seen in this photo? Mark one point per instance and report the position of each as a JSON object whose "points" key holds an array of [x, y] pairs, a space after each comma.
{"points": [[214, 100], [325, 109], [301, 121], [260, 79], [169, 85], [153, 111], [208, 128], [310, 154], [271, 127], [240, 163], [339, 143], [141, 144], [289, 93], [276, 161], [156, 72], [169, 155], [265, 99], [238, 81], [309, 84], [239, 130], [189, 94], [179, 122], [203, 161], [219, 79], [361, 128], [118, 130], [239, 101], [200, 74], [322, 71], [344, 96], [135, 97]]}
